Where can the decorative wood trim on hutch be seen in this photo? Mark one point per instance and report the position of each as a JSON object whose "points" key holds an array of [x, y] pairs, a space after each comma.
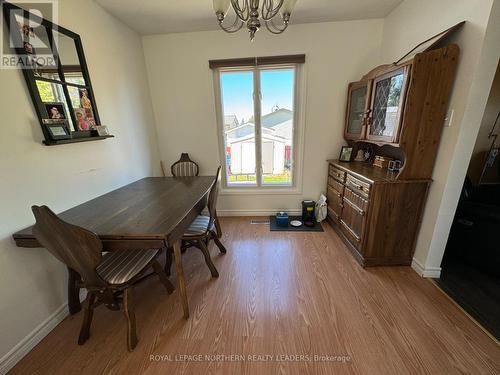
{"points": [[377, 212]]}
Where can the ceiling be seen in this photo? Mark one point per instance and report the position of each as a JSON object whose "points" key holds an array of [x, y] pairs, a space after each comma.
{"points": [[173, 16]]}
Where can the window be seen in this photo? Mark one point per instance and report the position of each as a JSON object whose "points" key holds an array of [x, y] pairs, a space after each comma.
{"points": [[258, 125]]}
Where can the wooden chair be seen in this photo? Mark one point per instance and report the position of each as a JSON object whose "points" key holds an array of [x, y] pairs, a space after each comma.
{"points": [[184, 167], [108, 278], [202, 230]]}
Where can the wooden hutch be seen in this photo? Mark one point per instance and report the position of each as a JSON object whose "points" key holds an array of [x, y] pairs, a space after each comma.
{"points": [[398, 111]]}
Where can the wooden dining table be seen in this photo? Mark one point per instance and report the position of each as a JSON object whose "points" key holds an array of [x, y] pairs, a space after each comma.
{"points": [[151, 213]]}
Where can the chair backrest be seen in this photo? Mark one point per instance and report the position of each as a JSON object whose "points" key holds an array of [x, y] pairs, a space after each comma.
{"points": [[184, 167], [212, 197], [76, 247]]}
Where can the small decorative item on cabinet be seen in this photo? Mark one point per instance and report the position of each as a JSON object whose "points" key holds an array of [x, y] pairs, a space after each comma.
{"points": [[394, 165], [360, 156], [364, 154], [345, 154], [382, 162]]}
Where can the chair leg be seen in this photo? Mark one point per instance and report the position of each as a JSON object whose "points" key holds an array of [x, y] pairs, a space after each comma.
{"points": [[219, 244], [183, 247], [217, 226], [168, 261], [128, 310], [87, 318], [74, 279], [162, 276], [208, 259]]}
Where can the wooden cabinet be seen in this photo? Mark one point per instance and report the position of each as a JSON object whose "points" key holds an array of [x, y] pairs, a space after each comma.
{"points": [[357, 112], [377, 215], [377, 212]]}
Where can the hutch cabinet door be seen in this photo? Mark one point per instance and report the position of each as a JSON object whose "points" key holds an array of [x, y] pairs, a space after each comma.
{"points": [[358, 102], [334, 203], [388, 99], [353, 218]]}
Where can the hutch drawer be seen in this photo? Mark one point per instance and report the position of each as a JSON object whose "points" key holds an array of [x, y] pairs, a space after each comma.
{"points": [[360, 187], [336, 173], [334, 184]]}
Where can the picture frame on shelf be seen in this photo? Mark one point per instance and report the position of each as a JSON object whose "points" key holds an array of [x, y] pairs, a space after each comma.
{"points": [[102, 131], [345, 154], [56, 111], [82, 123], [58, 130]]}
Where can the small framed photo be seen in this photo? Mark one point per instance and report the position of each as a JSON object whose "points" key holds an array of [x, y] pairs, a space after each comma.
{"points": [[84, 99], [58, 130], [28, 47], [81, 119], [345, 154], [102, 130], [56, 111]]}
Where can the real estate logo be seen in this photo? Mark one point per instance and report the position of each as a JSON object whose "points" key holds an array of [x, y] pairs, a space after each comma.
{"points": [[26, 41]]}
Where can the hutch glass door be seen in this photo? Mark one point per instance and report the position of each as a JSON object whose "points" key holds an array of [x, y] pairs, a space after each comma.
{"points": [[357, 109], [387, 105]]}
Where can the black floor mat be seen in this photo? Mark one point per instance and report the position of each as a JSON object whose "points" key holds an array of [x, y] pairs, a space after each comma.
{"points": [[275, 228], [477, 292]]}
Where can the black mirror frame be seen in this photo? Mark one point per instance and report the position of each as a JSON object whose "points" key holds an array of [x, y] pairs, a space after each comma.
{"points": [[77, 136]]}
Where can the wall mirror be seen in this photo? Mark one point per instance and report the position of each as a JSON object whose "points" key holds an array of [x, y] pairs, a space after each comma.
{"points": [[57, 77]]}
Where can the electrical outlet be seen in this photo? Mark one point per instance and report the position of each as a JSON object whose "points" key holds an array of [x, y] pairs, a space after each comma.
{"points": [[449, 118]]}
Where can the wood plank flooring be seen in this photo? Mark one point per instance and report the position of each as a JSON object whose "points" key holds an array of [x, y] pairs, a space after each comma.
{"points": [[289, 296]]}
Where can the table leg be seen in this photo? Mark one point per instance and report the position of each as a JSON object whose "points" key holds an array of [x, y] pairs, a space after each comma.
{"points": [[74, 278], [180, 278]]}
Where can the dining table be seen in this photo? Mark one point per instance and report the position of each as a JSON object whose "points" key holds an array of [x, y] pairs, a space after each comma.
{"points": [[151, 213]]}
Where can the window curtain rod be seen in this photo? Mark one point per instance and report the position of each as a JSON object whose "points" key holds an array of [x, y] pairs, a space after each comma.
{"points": [[257, 61]]}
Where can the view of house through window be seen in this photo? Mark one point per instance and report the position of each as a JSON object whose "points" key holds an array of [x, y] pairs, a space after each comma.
{"points": [[258, 129]]}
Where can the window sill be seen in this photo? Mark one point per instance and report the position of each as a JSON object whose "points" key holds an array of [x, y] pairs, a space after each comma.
{"points": [[240, 190]]}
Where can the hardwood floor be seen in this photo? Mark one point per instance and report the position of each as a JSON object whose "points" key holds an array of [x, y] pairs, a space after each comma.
{"points": [[284, 295]]}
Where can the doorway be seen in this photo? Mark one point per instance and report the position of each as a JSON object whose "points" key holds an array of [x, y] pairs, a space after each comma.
{"points": [[471, 265]]}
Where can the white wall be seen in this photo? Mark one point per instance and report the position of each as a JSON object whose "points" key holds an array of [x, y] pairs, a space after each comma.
{"points": [[409, 23], [183, 94], [32, 283]]}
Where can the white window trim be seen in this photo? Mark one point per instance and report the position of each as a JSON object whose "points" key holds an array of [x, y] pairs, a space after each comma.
{"points": [[298, 134]]}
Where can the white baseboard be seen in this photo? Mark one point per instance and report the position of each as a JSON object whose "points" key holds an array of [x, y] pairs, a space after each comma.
{"points": [[259, 212], [9, 360], [429, 272]]}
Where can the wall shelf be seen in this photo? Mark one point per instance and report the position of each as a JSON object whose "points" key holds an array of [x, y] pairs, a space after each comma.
{"points": [[76, 140]]}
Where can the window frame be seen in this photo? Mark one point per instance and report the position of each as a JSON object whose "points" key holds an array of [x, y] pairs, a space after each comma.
{"points": [[298, 131]]}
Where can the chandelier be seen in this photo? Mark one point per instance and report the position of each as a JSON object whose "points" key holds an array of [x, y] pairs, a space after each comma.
{"points": [[248, 11]]}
